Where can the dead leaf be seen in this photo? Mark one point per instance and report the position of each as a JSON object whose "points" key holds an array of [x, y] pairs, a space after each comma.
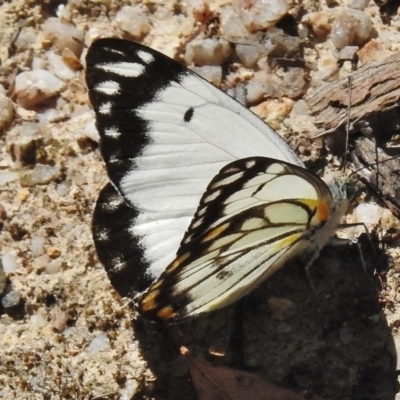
{"points": [[222, 383]]}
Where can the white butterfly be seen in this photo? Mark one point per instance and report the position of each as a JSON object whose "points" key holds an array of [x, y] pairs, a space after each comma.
{"points": [[205, 199]]}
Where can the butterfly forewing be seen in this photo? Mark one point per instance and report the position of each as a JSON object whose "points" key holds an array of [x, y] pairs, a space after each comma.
{"points": [[165, 133], [255, 215]]}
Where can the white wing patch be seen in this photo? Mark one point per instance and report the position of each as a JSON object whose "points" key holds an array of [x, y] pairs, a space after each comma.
{"points": [[108, 87], [126, 69], [105, 108], [113, 133], [145, 56]]}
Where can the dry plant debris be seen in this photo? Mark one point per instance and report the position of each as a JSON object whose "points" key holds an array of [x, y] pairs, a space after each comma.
{"points": [[375, 88]]}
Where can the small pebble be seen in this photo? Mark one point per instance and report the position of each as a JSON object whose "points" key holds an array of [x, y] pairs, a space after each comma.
{"points": [[130, 389], [91, 132], [300, 108], [7, 177], [232, 25], [6, 112], [23, 194], [260, 14], [328, 70], [348, 53], [9, 262], [32, 88], [40, 175], [59, 67], [38, 320], [38, 384], [250, 54], [63, 188], [53, 266], [53, 252], [372, 51], [319, 24], [11, 299], [263, 85], [200, 10], [294, 83], [369, 214], [274, 111], [63, 35], [139, 14], [351, 28], [38, 63], [211, 73], [359, 4], [22, 143], [207, 52], [26, 115], [58, 319], [54, 115], [26, 38], [3, 279], [100, 343], [40, 263], [37, 245]]}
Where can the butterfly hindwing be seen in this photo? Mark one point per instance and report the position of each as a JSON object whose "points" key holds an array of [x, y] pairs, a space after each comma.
{"points": [[117, 248], [165, 133], [255, 215]]}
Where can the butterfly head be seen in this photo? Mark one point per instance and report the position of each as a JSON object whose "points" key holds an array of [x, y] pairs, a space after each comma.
{"points": [[343, 188]]}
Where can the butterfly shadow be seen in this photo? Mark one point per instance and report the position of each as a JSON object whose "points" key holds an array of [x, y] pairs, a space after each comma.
{"points": [[332, 340]]}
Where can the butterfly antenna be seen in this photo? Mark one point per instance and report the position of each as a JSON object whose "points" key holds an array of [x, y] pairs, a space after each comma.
{"points": [[348, 123], [377, 163]]}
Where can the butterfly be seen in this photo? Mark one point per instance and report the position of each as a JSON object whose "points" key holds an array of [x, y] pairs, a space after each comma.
{"points": [[205, 200]]}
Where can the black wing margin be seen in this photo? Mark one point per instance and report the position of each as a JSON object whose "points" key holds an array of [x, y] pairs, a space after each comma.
{"points": [[119, 154]]}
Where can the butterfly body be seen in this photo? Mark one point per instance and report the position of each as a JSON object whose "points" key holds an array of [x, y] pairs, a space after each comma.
{"points": [[206, 200]]}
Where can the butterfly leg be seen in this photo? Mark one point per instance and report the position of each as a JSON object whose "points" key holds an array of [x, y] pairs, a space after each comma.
{"points": [[308, 272], [356, 241]]}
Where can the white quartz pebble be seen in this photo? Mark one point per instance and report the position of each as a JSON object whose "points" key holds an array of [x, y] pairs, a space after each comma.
{"points": [[34, 87], [260, 14]]}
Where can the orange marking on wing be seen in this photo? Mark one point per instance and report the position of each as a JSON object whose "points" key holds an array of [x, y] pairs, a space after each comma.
{"points": [[177, 262], [215, 232], [166, 313], [148, 302], [323, 212]]}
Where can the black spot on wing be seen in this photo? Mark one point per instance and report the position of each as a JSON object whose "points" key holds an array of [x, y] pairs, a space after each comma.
{"points": [[120, 152], [188, 114], [118, 250]]}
